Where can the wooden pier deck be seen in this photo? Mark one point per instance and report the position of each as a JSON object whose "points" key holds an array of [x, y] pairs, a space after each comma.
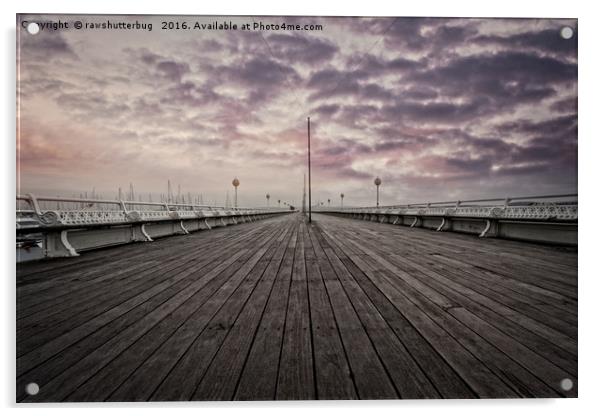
{"points": [[279, 309]]}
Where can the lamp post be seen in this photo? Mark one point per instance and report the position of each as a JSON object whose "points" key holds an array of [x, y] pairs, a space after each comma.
{"points": [[328, 201], [377, 182], [342, 196], [235, 183], [309, 165], [267, 196]]}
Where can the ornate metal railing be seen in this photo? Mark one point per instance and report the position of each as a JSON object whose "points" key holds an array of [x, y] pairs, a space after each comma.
{"points": [[64, 227], [548, 218], [41, 211], [547, 207]]}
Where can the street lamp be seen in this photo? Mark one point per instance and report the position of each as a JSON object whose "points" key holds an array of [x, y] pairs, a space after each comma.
{"points": [[309, 166], [328, 201], [377, 182], [235, 183], [342, 196], [267, 196]]}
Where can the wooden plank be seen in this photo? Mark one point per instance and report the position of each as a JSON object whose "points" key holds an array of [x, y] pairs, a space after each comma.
{"points": [[333, 375], [66, 295], [481, 379], [260, 373], [513, 294], [445, 378], [113, 283], [178, 329], [336, 309], [495, 262], [110, 310], [65, 269], [470, 248], [78, 351], [369, 375], [474, 252], [98, 336], [538, 336], [194, 347], [81, 371], [131, 390], [394, 263], [296, 377], [221, 379], [528, 359], [57, 387], [522, 381], [77, 282], [518, 325], [395, 357]]}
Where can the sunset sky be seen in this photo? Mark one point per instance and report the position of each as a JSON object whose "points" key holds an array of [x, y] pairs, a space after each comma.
{"points": [[440, 109]]}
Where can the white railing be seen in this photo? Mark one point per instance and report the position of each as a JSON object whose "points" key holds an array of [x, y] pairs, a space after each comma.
{"points": [[41, 211], [548, 207]]}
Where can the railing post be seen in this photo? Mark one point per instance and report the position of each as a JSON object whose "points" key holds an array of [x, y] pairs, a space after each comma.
{"points": [[34, 203], [123, 207]]}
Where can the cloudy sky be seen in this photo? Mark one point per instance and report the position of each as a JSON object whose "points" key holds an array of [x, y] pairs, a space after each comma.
{"points": [[438, 108]]}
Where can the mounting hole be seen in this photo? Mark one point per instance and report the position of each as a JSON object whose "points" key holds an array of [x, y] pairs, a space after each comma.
{"points": [[33, 28], [566, 384], [32, 389], [566, 32]]}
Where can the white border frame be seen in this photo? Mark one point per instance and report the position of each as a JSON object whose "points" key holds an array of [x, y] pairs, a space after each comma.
{"points": [[590, 149]]}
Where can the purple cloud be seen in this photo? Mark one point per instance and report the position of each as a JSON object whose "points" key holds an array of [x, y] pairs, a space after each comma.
{"points": [[439, 108]]}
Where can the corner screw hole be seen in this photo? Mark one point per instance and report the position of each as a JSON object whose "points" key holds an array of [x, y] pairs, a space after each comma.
{"points": [[566, 384], [33, 28], [566, 32], [32, 389]]}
